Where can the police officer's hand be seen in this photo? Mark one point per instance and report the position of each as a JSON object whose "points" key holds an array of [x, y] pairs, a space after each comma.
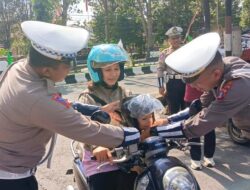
{"points": [[85, 109], [101, 116], [102, 154], [111, 107], [162, 91], [195, 107]]}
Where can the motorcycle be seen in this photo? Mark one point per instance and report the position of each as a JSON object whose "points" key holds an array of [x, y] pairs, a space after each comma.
{"points": [[235, 133], [156, 169], [159, 171]]}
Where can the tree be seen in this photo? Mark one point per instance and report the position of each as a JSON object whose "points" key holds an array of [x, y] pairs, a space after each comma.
{"points": [[43, 10], [55, 11], [107, 10], [178, 13], [217, 10], [12, 12], [245, 14], [145, 10], [122, 21], [69, 6]]}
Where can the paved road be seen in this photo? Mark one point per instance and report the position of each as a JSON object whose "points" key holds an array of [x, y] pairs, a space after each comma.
{"points": [[232, 169]]}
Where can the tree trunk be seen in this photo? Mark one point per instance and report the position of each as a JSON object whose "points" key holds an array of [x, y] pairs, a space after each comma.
{"points": [[206, 15], [6, 24], [64, 12], [150, 29], [147, 23], [106, 20]]}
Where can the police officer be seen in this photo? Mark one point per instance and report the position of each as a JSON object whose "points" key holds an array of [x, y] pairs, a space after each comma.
{"points": [[175, 87], [32, 110], [224, 81]]}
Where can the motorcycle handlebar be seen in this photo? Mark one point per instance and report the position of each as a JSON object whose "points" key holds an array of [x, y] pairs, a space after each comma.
{"points": [[192, 144], [123, 155], [116, 152], [178, 144]]}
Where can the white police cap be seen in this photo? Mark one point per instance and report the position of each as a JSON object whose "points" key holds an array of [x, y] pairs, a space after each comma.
{"points": [[174, 31], [55, 41], [192, 58]]}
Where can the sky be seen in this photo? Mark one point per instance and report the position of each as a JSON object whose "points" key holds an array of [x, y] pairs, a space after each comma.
{"points": [[85, 15]]}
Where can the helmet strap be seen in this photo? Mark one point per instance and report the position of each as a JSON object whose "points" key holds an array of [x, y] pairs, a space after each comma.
{"points": [[105, 85]]}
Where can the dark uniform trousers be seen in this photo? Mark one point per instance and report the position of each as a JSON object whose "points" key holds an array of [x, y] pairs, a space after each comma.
{"points": [[175, 95], [209, 144], [28, 183]]}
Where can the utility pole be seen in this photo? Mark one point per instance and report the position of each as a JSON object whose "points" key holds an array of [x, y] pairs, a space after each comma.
{"points": [[228, 28], [206, 12]]}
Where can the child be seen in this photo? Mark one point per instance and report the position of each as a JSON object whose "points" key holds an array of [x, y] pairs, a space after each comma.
{"points": [[143, 112]]}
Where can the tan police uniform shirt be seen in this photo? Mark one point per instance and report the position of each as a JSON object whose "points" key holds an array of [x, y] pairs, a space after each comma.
{"points": [[230, 100], [107, 95], [161, 66], [30, 114]]}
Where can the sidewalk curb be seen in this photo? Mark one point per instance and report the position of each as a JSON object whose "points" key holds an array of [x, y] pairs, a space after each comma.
{"points": [[132, 71]]}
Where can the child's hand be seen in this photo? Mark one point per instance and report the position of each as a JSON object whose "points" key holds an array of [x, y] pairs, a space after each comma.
{"points": [[102, 154], [146, 132], [116, 118], [111, 107]]}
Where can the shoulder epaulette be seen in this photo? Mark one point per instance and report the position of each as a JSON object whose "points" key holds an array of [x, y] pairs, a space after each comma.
{"points": [[224, 88]]}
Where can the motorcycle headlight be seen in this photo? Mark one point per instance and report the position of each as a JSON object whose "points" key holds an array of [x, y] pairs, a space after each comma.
{"points": [[143, 183], [178, 178]]}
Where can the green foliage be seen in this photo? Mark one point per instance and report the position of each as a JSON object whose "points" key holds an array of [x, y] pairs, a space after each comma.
{"points": [[123, 24], [245, 14], [12, 12], [3, 52], [43, 9], [123, 20], [19, 43], [176, 13], [217, 10], [236, 12]]}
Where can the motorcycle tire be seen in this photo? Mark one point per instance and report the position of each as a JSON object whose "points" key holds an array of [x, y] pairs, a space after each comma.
{"points": [[235, 134]]}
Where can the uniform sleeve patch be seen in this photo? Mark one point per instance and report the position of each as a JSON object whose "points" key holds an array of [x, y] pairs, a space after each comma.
{"points": [[59, 99], [162, 57], [224, 90]]}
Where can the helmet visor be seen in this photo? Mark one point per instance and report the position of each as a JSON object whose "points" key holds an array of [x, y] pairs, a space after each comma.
{"points": [[97, 65]]}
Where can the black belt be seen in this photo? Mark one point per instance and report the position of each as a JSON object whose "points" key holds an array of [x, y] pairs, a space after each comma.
{"points": [[174, 76]]}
